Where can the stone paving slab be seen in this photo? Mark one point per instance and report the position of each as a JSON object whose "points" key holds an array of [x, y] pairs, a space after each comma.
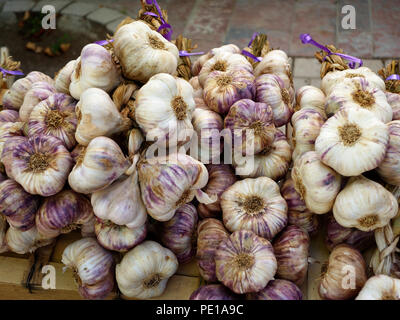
{"points": [[80, 8], [112, 26], [306, 67], [57, 4], [18, 5], [104, 15]]}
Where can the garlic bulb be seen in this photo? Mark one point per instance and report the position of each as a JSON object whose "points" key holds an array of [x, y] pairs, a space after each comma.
{"points": [[220, 177], [118, 238], [92, 267], [197, 89], [345, 275], [364, 204], [95, 68], [8, 149], [17, 205], [394, 100], [77, 151], [8, 130], [256, 205], [353, 141], [251, 125], [163, 110], [168, 182], [310, 97], [275, 62], [37, 93], [213, 292], [389, 168], [62, 213], [3, 229], [223, 89], [278, 289], [272, 90], [316, 183], [210, 232], [357, 92], [8, 116], [62, 80], [291, 249], [135, 140], [144, 271], [179, 233], [224, 62], [40, 164], [245, 262], [380, 287], [272, 162], [55, 117], [14, 97], [22, 242]]}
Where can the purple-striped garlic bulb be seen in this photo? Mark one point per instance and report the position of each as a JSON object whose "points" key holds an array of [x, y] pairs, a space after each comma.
{"points": [[3, 230], [213, 292], [310, 97], [92, 266], [167, 182], [18, 206], [336, 234], [197, 88], [95, 68], [223, 89], [210, 232], [118, 238], [179, 234], [98, 166], [220, 177], [28, 241], [62, 80], [278, 289], [272, 162], [251, 125], [8, 130], [39, 91], [14, 97], [55, 117], [245, 262], [62, 213], [8, 116], [298, 214], [275, 62], [272, 90], [317, 184], [394, 100], [145, 270], [8, 148], [256, 205], [40, 164], [291, 250]]}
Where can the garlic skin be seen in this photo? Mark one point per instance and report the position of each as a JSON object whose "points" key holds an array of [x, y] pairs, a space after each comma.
{"points": [[345, 275], [8, 130], [37, 93], [118, 238], [353, 141], [223, 89], [245, 262], [272, 90], [213, 292], [28, 241], [40, 164], [365, 205], [55, 117], [62, 213], [95, 68], [18, 206], [394, 100], [380, 287], [179, 233], [3, 229], [62, 80], [167, 182], [256, 205], [225, 62], [8, 149], [197, 88], [144, 271], [357, 92], [251, 124], [98, 116], [275, 62], [316, 183], [291, 249], [220, 177], [8, 116], [163, 110], [92, 266], [135, 141], [98, 166], [389, 168], [310, 97], [210, 232], [278, 289]]}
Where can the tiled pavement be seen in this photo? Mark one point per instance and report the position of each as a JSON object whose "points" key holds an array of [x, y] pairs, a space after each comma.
{"points": [[211, 23]]}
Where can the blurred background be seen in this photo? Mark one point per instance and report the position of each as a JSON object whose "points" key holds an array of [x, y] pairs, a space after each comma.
{"points": [[374, 32]]}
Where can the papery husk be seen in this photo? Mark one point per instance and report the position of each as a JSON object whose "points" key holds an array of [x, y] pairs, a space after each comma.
{"points": [[392, 68], [332, 62]]}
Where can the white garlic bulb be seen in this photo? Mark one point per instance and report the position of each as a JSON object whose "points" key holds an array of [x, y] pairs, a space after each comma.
{"points": [[365, 205], [95, 68], [144, 52], [197, 88], [394, 100], [135, 140], [275, 62], [310, 97], [8, 130], [28, 241], [62, 80], [163, 110], [144, 271], [380, 287], [389, 169], [98, 116], [353, 141]]}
